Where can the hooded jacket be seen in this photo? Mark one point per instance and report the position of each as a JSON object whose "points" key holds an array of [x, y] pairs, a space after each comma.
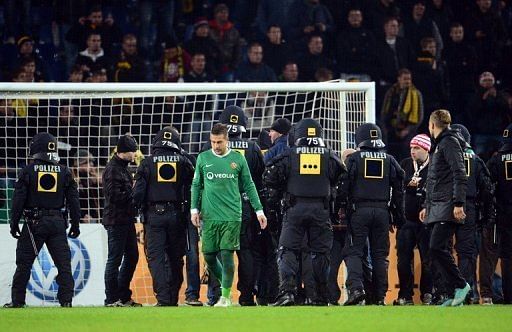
{"points": [[446, 179]]}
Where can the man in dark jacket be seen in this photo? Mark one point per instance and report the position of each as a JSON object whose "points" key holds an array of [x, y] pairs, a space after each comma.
{"points": [[414, 233], [255, 70], [355, 47], [128, 66], [118, 219], [478, 202], [497, 237], [275, 49], [461, 63], [279, 137], [445, 199]]}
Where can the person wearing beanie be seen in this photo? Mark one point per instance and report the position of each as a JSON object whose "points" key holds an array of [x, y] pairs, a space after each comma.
{"points": [[478, 201], [499, 231], [118, 219], [279, 136], [414, 234]]}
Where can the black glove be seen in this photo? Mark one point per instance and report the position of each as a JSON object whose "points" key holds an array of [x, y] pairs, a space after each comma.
{"points": [[74, 231], [15, 230]]}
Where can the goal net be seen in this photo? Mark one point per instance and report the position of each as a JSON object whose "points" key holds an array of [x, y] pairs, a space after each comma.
{"points": [[88, 119]]}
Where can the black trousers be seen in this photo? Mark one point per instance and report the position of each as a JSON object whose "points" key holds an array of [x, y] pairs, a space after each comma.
{"points": [[368, 224], [123, 255], [246, 270], [413, 234], [165, 248], [505, 231], [52, 232], [310, 218], [442, 259], [265, 261], [336, 260], [489, 254], [466, 244]]}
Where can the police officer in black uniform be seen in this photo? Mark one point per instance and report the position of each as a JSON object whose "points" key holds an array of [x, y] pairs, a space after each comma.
{"points": [[236, 121], [162, 181], [306, 175], [44, 188], [479, 201], [500, 167], [373, 188]]}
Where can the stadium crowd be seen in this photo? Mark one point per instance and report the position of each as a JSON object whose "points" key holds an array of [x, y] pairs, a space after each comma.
{"points": [[423, 56]]}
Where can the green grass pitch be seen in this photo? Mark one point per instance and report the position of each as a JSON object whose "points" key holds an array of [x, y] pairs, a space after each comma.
{"points": [[261, 319]]}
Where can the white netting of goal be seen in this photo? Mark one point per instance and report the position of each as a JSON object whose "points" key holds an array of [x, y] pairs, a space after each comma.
{"points": [[88, 119]]}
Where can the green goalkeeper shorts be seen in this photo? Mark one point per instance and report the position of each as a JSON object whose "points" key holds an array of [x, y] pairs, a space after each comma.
{"points": [[220, 235]]}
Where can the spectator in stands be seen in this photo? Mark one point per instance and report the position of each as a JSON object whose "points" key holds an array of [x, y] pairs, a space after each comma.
{"points": [[26, 50], [323, 75], [175, 62], [227, 37], [461, 63], [201, 42], [28, 65], [355, 48], [89, 186], [380, 11], [76, 75], [402, 113], [290, 72], [259, 109], [128, 66], [429, 78], [276, 50], [93, 56], [164, 12], [254, 70], [272, 12], [197, 72], [441, 13], [80, 32], [98, 75], [308, 17], [394, 52], [486, 31], [314, 58], [418, 26], [488, 113], [17, 20]]}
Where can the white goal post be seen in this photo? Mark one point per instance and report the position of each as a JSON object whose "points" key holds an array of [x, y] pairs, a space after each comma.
{"points": [[88, 118]]}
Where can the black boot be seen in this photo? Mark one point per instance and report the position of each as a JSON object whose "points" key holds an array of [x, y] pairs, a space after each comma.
{"points": [[66, 305], [284, 300], [12, 305], [356, 297]]}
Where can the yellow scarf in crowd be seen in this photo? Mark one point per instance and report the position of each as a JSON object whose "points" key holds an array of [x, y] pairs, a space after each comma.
{"points": [[411, 105]]}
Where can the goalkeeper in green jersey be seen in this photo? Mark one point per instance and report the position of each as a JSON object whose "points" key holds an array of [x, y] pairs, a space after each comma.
{"points": [[219, 176]]}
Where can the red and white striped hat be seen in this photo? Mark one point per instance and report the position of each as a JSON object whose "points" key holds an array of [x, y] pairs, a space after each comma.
{"points": [[421, 140]]}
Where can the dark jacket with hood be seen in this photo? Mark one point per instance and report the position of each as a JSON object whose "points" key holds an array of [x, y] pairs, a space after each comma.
{"points": [[118, 192], [446, 179]]}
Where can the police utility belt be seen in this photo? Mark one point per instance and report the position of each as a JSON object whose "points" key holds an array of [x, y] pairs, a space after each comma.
{"points": [[291, 200], [371, 204], [33, 215], [163, 207]]}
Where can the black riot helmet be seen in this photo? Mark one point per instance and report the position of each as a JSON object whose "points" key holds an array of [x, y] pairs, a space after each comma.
{"points": [[463, 131], [308, 132], [369, 135], [167, 138], [506, 139], [43, 146], [235, 119]]}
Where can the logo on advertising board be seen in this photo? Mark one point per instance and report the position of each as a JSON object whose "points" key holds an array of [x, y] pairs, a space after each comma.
{"points": [[43, 284]]}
